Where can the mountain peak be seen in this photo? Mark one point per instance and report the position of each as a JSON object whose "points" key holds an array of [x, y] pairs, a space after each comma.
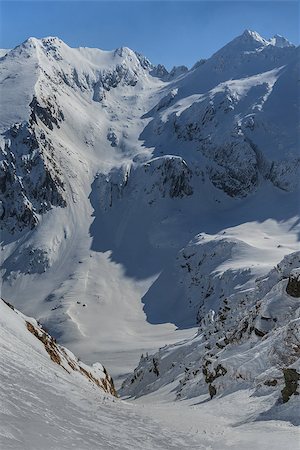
{"points": [[29, 42], [248, 41], [54, 40], [123, 51], [32, 43], [250, 36], [280, 41], [127, 54], [46, 40]]}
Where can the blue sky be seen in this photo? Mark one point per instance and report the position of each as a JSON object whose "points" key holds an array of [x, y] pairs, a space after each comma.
{"points": [[170, 32]]}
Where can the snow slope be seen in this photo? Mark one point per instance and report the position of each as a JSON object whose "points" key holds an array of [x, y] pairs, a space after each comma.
{"points": [[50, 400]]}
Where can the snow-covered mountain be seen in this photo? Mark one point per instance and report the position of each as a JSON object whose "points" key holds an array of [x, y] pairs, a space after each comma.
{"points": [[135, 201]]}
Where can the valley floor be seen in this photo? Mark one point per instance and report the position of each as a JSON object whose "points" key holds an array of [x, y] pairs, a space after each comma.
{"points": [[38, 417], [226, 423]]}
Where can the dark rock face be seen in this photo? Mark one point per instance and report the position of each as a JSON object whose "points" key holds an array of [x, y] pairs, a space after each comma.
{"points": [[293, 286], [233, 166], [212, 374], [103, 82], [49, 114], [171, 175], [27, 260], [30, 180], [212, 391], [272, 382], [259, 332], [121, 73], [164, 177], [159, 71], [291, 378]]}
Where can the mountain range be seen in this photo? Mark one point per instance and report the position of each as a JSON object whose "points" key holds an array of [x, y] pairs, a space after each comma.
{"points": [[156, 212]]}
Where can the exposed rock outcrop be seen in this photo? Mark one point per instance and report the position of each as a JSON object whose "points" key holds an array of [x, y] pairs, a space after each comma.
{"points": [[291, 378], [293, 286], [95, 374], [31, 181]]}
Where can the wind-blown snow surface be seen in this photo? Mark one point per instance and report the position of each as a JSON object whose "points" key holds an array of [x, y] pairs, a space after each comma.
{"points": [[116, 175]]}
